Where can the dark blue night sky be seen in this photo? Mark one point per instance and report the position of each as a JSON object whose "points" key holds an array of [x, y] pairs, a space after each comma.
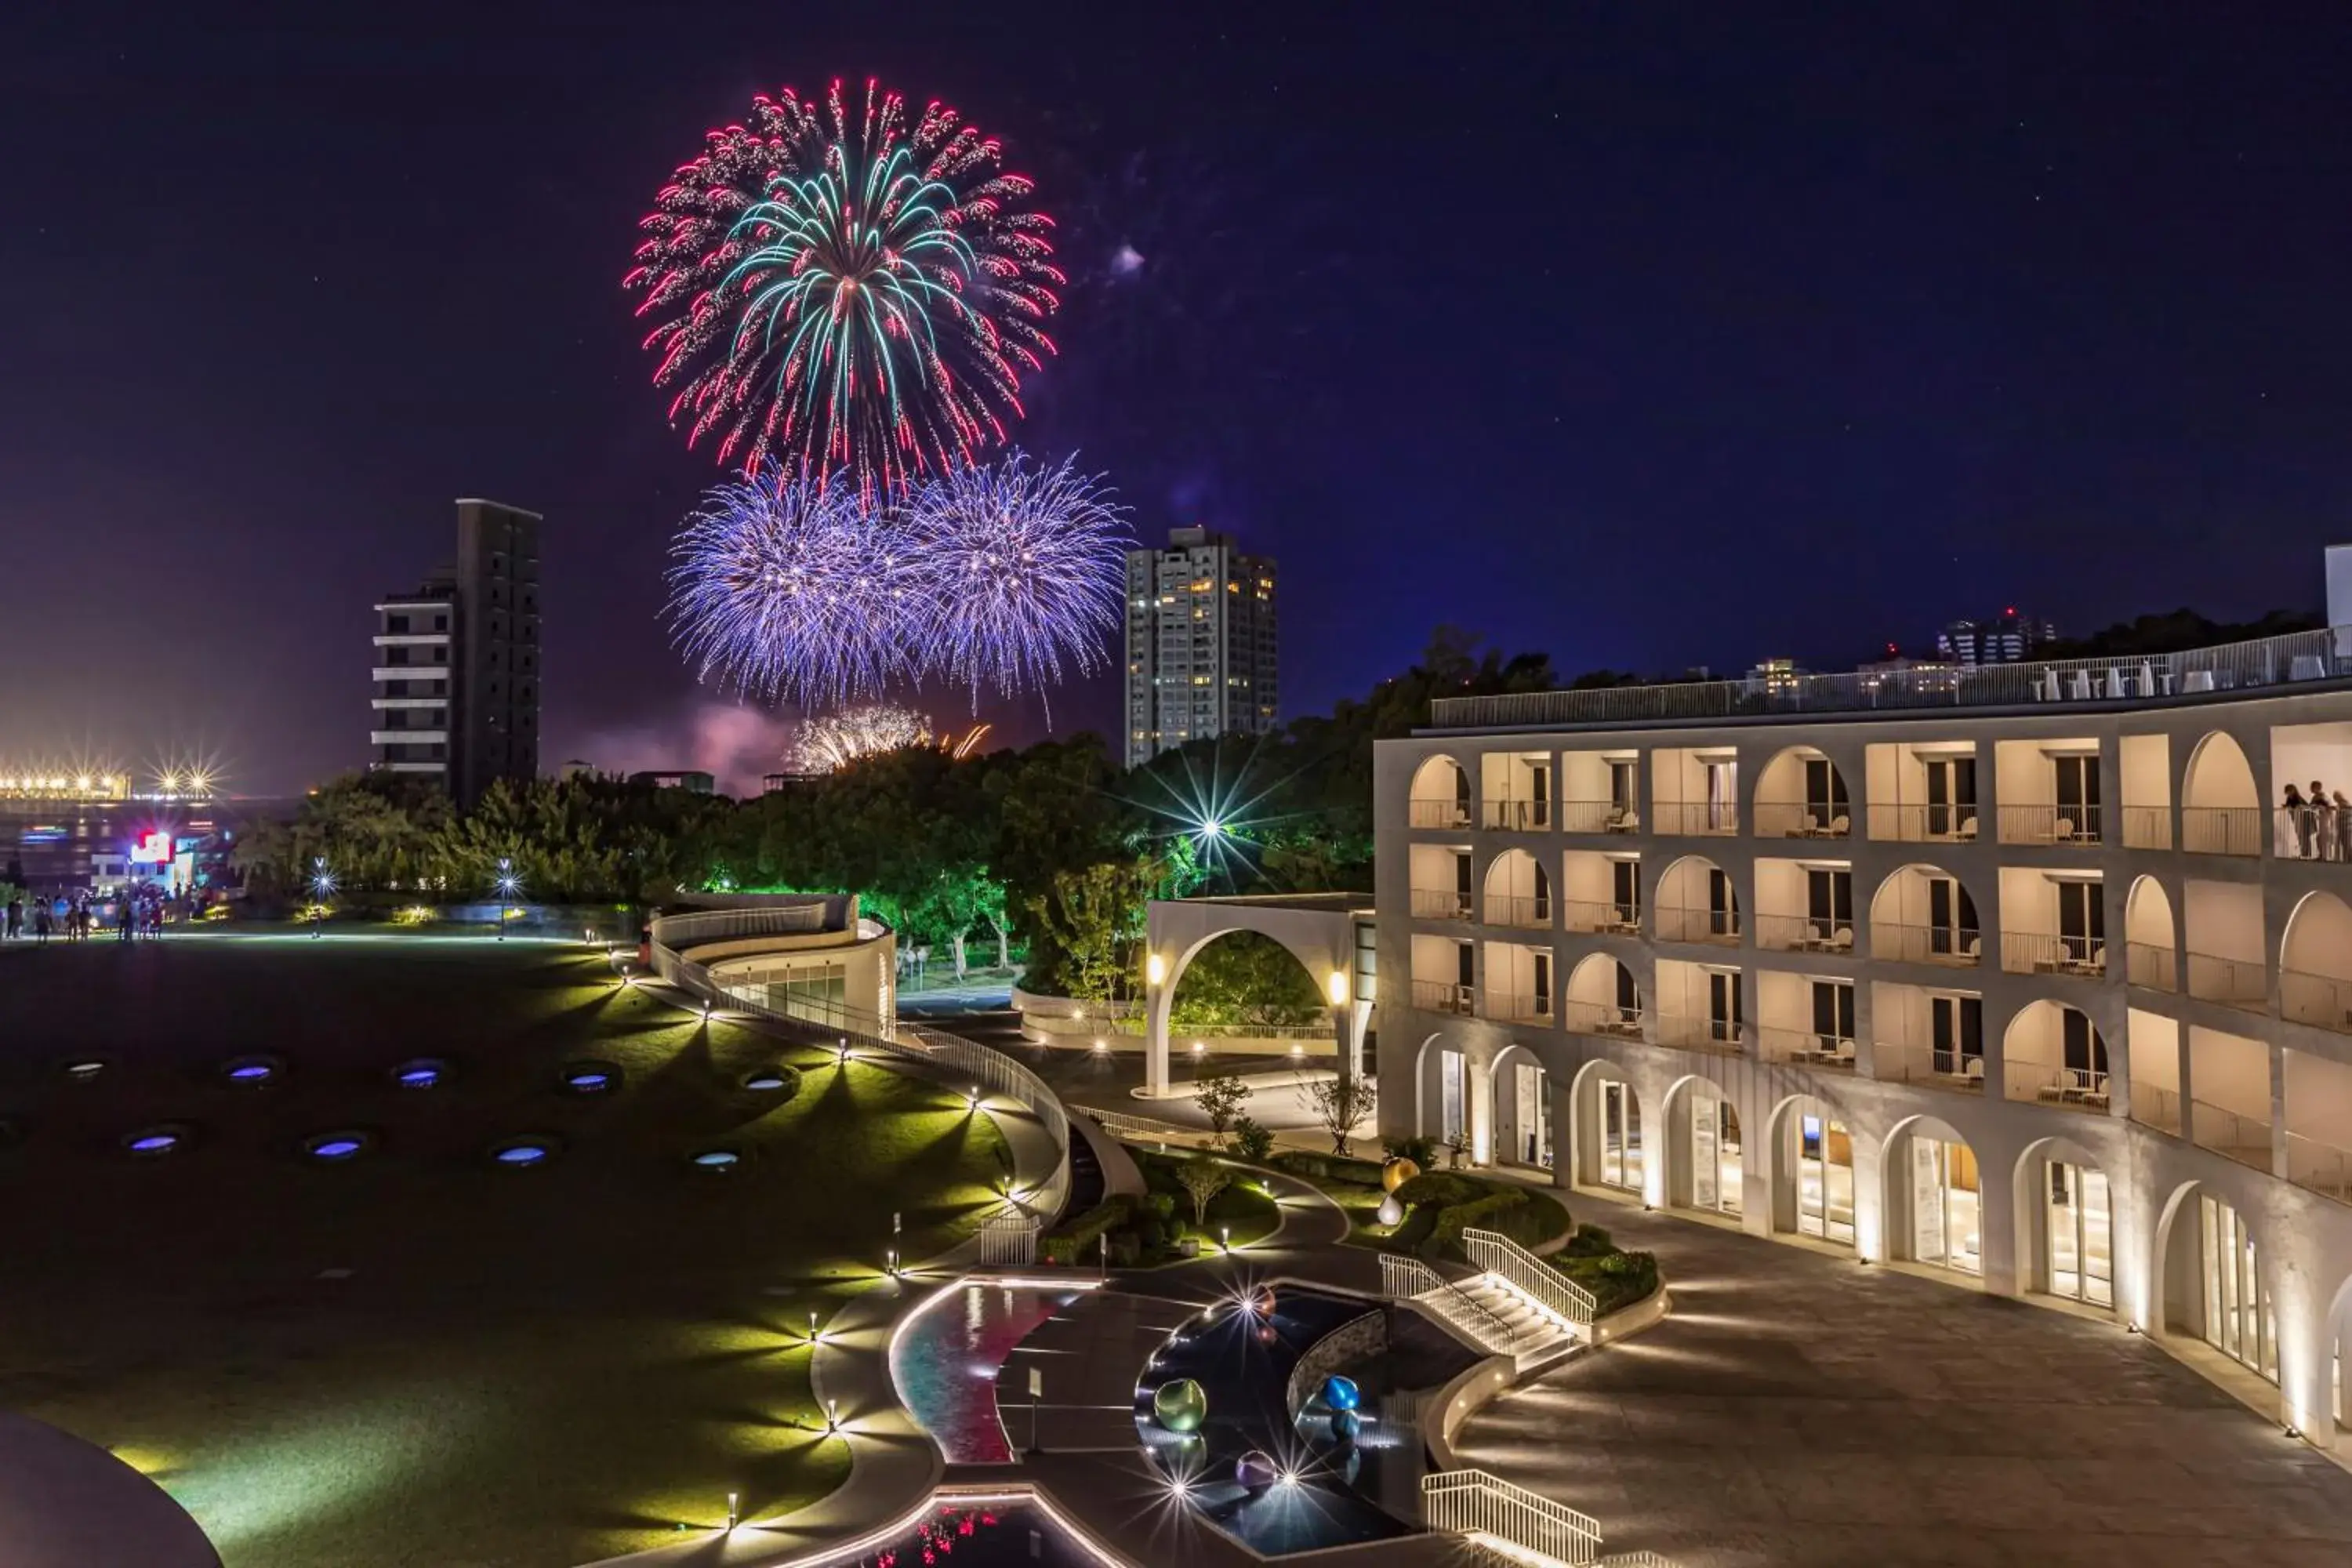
{"points": [[1647, 335]]}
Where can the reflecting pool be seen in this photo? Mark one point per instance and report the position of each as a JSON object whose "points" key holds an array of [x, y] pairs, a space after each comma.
{"points": [[945, 1360]]}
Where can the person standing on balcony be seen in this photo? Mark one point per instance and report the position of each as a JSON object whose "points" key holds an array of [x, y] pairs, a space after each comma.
{"points": [[2343, 813], [2288, 841], [2319, 839]]}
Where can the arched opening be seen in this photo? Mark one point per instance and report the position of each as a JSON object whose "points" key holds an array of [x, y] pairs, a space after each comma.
{"points": [[2054, 1054], [1812, 1171], [1602, 999], [1610, 1148], [1518, 891], [2340, 1334], [1935, 1197], [1441, 794], [1523, 1130], [1923, 914], [2316, 963], [2148, 936], [1243, 985], [1704, 1169], [2220, 809], [2065, 1221], [1800, 794], [1441, 1076], [1696, 903], [2213, 1283]]}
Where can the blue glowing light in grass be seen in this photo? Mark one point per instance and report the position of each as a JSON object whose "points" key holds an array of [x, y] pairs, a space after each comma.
{"points": [[157, 1143], [764, 1082], [717, 1159], [252, 1072], [522, 1155], [419, 1077], [83, 1071], [336, 1146]]}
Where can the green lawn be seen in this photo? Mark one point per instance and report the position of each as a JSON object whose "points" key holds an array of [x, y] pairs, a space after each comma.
{"points": [[421, 1357], [1244, 1208]]}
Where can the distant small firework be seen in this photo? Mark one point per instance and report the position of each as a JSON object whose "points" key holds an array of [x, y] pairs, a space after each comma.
{"points": [[1024, 567], [789, 586], [832, 742], [839, 287]]}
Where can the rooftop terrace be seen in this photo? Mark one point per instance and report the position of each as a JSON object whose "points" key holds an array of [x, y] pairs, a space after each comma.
{"points": [[2199, 674]]}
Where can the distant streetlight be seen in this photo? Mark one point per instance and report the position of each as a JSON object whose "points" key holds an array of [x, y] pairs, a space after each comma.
{"points": [[322, 882], [507, 883]]}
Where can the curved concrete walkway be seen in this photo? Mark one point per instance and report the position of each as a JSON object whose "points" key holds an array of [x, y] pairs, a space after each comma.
{"points": [[1797, 1408]]}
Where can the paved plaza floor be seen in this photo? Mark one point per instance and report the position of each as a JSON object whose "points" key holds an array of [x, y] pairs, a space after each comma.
{"points": [[1802, 1409]]}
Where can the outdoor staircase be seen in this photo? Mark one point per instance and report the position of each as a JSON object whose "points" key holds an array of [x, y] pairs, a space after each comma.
{"points": [[1481, 1311]]}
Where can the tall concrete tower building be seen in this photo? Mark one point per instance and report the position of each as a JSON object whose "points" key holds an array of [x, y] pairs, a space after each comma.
{"points": [[457, 661], [1202, 653]]}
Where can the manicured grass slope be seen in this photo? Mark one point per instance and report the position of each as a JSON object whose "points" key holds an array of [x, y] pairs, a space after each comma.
{"points": [[422, 1358]]}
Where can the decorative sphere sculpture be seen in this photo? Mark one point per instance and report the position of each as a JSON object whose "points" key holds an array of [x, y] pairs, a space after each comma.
{"points": [[1345, 1425], [1256, 1470], [1180, 1406], [1396, 1172], [1391, 1213], [1341, 1393]]}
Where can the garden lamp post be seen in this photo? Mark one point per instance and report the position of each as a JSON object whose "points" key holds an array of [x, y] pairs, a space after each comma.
{"points": [[322, 882], [506, 885]]}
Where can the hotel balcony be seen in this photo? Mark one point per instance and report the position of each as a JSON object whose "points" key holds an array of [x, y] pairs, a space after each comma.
{"points": [[2234, 1135], [1605, 1018], [2323, 1001], [1441, 795], [1804, 933], [2239, 983], [1718, 927], [2148, 965], [2045, 952], [2069, 1088], [2223, 829], [1800, 795], [2148, 826], [1805, 1048], [1443, 996], [1439, 904], [1515, 816], [1927, 1065], [2319, 1166], [1948, 947], [1698, 818], [2066, 825], [407, 737], [1802, 819], [1439, 814], [1599, 816], [1899, 823], [1523, 912], [1718, 1037], [1600, 916]]}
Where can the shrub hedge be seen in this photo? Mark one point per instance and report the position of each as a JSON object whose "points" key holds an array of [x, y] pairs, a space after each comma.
{"points": [[1067, 1240]]}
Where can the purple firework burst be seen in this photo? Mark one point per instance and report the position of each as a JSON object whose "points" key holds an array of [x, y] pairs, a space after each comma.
{"points": [[1023, 569], [790, 584]]}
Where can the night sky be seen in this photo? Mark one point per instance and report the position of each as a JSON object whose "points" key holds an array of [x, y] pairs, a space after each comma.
{"points": [[1646, 336]]}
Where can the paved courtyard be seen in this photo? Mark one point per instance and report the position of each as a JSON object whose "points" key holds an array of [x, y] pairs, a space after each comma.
{"points": [[1802, 1409]]}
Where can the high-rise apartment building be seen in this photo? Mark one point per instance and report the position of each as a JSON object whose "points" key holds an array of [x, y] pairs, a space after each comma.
{"points": [[2009, 638], [1202, 653], [457, 660]]}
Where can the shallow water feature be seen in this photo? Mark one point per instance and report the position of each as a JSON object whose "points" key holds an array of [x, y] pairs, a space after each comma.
{"points": [[982, 1535], [946, 1361]]}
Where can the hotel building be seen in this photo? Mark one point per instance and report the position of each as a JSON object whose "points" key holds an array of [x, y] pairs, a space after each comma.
{"points": [[1202, 653], [2018, 975]]}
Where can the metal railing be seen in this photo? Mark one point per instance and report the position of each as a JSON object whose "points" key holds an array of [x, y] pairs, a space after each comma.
{"points": [[2242, 982], [1445, 997], [1599, 816], [1519, 1007], [2315, 1166], [678, 932], [1697, 818], [1144, 1129], [1803, 819], [2323, 1001], [1439, 904], [2314, 831], [1515, 816], [2245, 1139], [1472, 1502], [1898, 822], [2223, 829], [2156, 968], [1521, 911], [1724, 1036], [1952, 947], [2233, 667], [1804, 933], [2050, 824], [2147, 828], [1675, 923], [1404, 1278], [1437, 813], [1805, 1048], [1008, 1237], [2157, 1108], [2047, 953], [2071, 1088], [1930, 1066], [1608, 1018], [1601, 916], [1530, 1275]]}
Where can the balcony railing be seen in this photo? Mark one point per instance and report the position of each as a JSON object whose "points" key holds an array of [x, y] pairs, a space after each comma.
{"points": [[2156, 968], [1618, 1023], [2043, 683], [2157, 1108], [1720, 927], [1521, 911], [2223, 829], [1802, 819], [2323, 1001], [2245, 1139], [1900, 824], [1530, 1528], [1724, 1036], [1439, 904], [2050, 824], [1438, 813], [2313, 832], [1515, 816], [1951, 947], [2319, 1166], [1443, 997], [2232, 982], [2071, 1088], [1928, 1066], [1601, 916], [1804, 933], [1806, 1047], [1698, 818], [1519, 1007], [2044, 953], [2147, 828], [1599, 816]]}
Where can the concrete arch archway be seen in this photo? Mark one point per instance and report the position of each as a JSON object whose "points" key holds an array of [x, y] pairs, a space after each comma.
{"points": [[2221, 803], [1703, 1144], [2213, 1278], [1801, 793], [2054, 1054], [1603, 996], [1697, 901], [1522, 1095], [1932, 1203], [1518, 891], [2316, 963], [1610, 1145], [1319, 930], [1816, 1163], [1922, 913], [1441, 794], [2063, 1214]]}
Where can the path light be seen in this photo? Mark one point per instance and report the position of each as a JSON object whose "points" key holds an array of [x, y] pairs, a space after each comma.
{"points": [[812, 1325], [1226, 1235], [890, 1266], [1102, 1045], [971, 1099], [841, 1058], [322, 882], [507, 883], [730, 1511]]}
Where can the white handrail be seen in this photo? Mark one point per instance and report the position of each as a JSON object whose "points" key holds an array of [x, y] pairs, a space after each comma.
{"points": [[1530, 1275], [1406, 1278], [1472, 1502]]}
